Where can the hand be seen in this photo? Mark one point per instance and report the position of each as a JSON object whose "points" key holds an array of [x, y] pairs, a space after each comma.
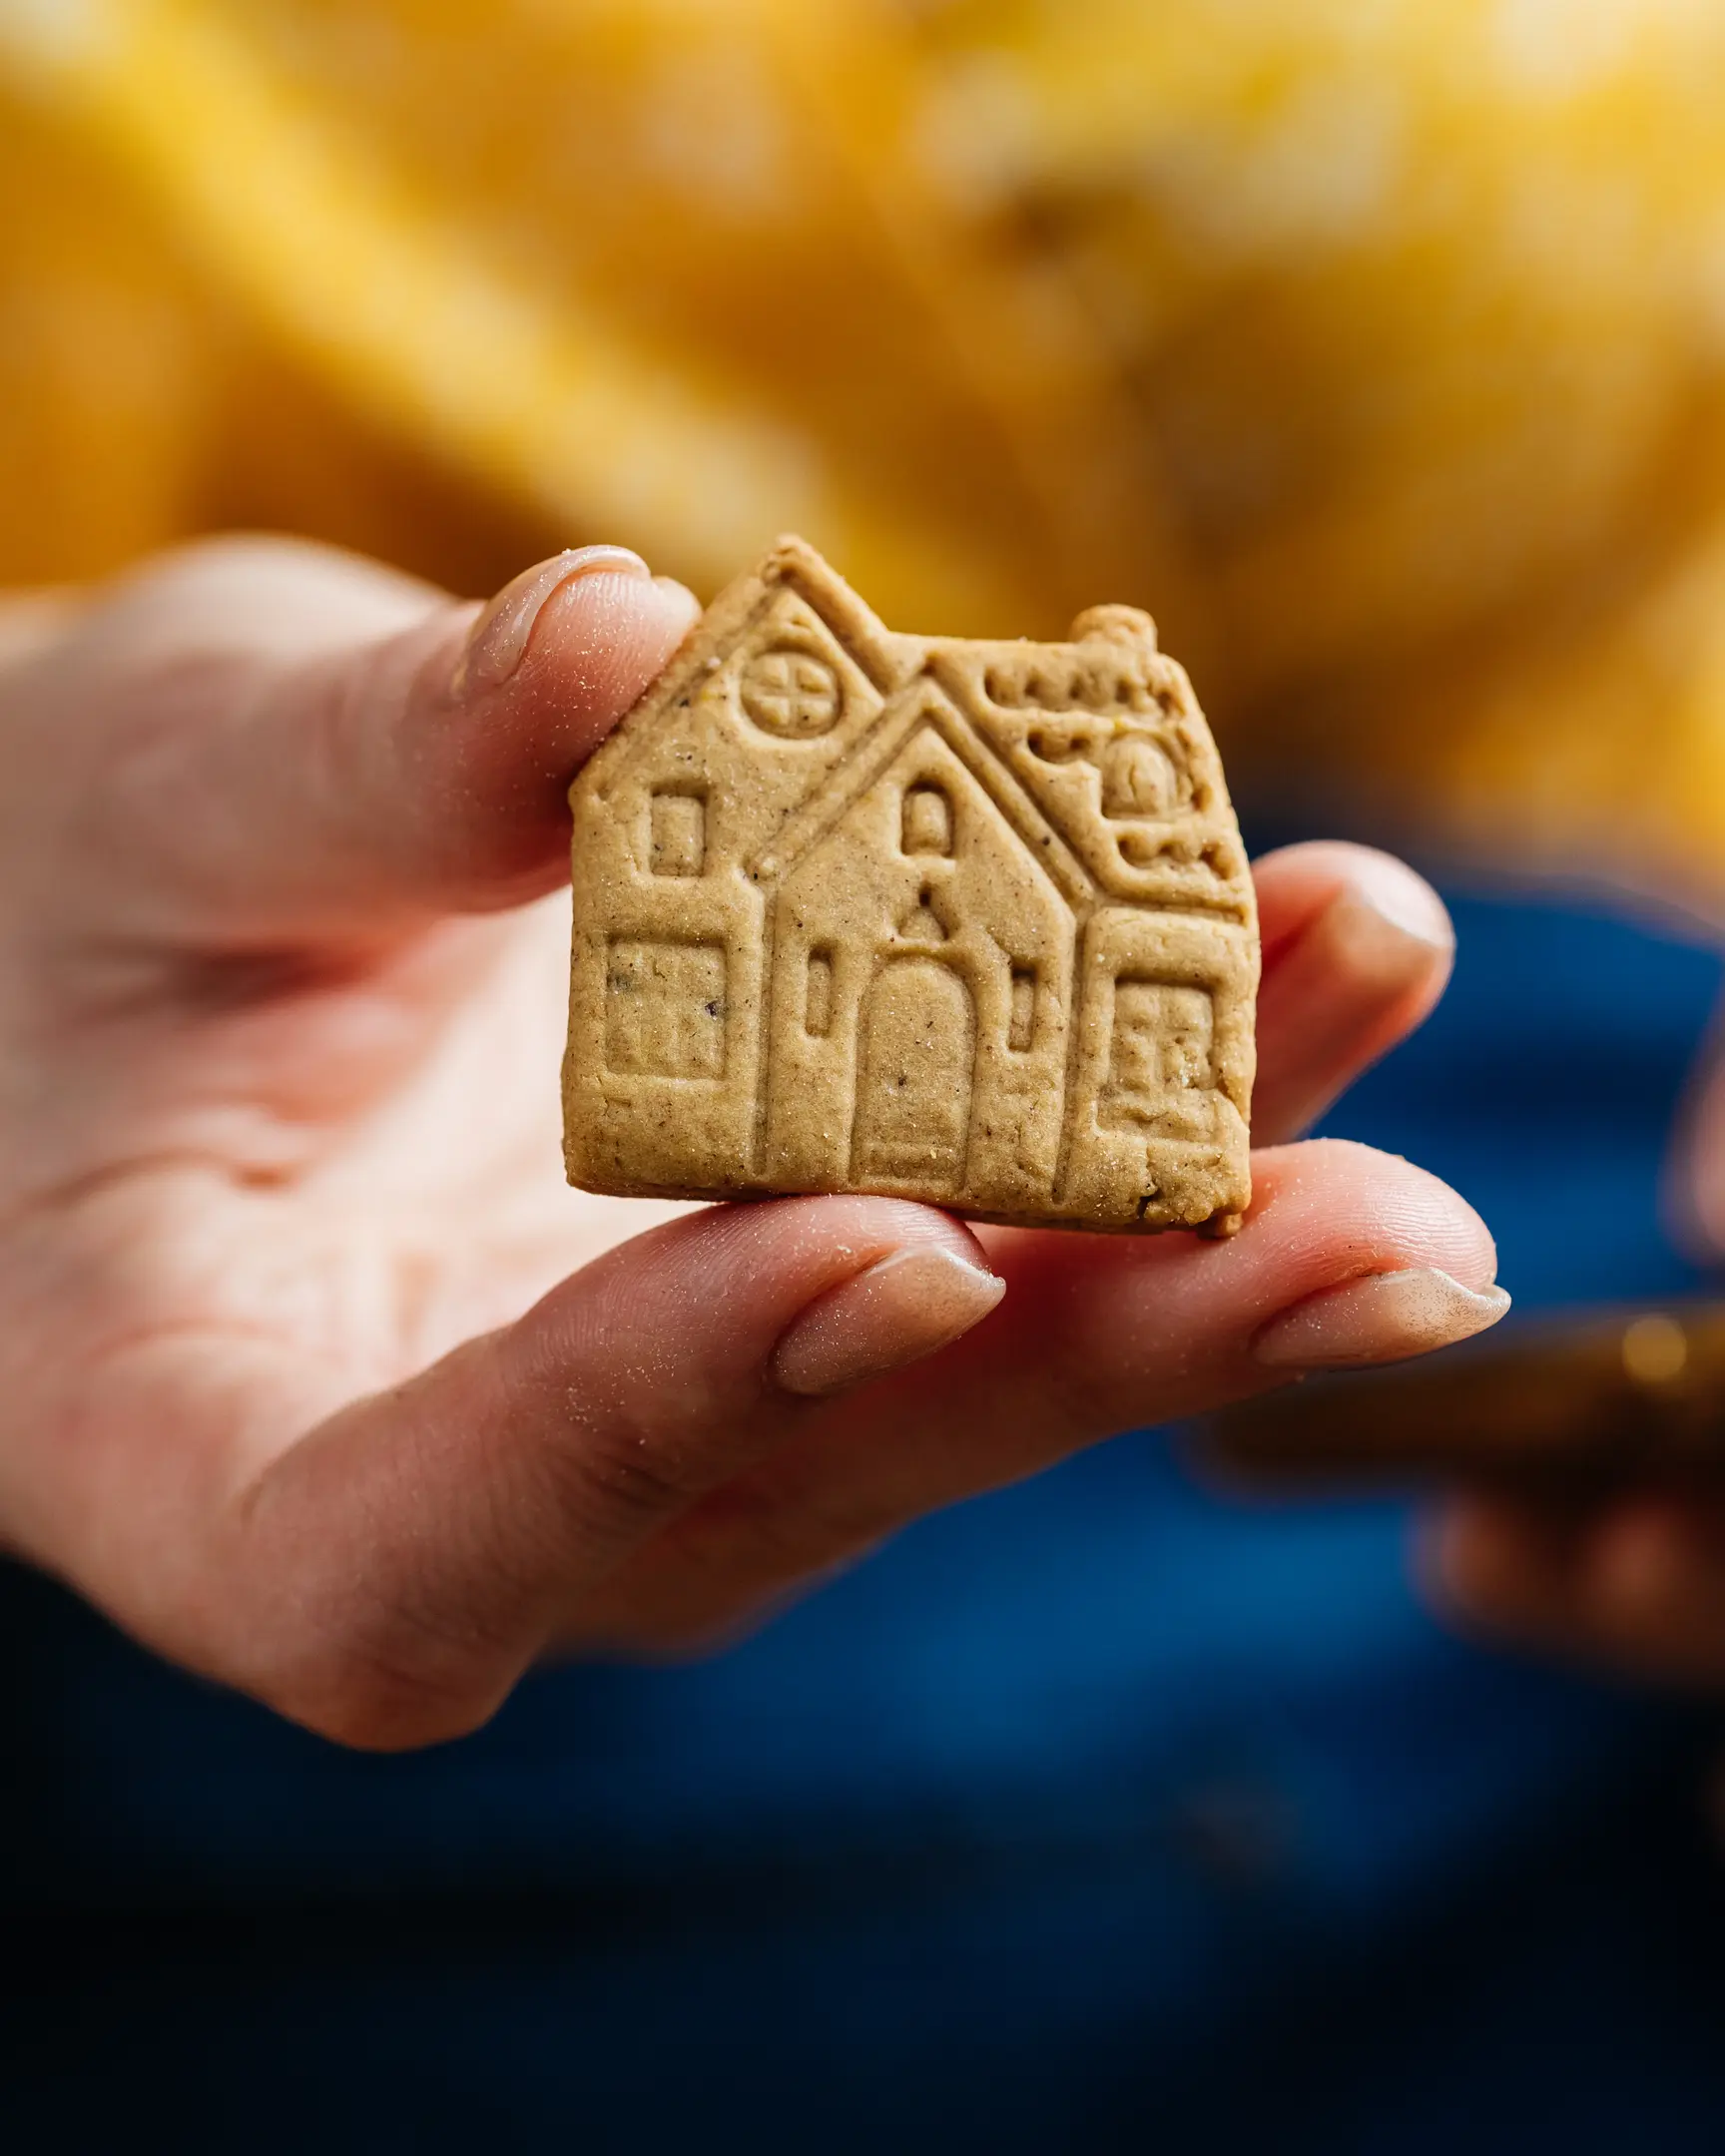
{"points": [[1632, 1580], [314, 1376]]}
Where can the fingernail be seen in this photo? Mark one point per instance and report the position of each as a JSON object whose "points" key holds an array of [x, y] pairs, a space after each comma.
{"points": [[896, 1312], [499, 640], [1388, 890], [1373, 928], [1380, 1319]]}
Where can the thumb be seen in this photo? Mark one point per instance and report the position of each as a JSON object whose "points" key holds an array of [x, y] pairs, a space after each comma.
{"points": [[293, 742]]}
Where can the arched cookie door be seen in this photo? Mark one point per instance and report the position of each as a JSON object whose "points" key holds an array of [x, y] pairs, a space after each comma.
{"points": [[915, 1065]]}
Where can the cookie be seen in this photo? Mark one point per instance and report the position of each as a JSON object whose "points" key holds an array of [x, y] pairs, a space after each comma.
{"points": [[962, 921]]}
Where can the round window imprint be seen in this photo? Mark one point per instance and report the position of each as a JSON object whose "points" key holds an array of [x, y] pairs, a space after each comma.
{"points": [[791, 693]]}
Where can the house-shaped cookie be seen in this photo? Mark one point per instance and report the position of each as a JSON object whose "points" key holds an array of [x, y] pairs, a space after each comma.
{"points": [[962, 921]]}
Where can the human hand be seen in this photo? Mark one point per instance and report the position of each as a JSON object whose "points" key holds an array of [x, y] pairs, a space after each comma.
{"points": [[1626, 1574], [314, 1375]]}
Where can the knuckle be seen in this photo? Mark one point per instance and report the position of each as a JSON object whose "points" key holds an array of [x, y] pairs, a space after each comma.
{"points": [[625, 1475], [387, 1684], [363, 1704], [780, 1539]]}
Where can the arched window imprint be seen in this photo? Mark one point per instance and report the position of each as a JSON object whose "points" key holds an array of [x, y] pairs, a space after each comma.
{"points": [[1138, 777], [676, 835], [927, 824], [915, 1071]]}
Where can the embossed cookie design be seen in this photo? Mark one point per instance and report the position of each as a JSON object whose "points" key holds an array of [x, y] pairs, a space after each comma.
{"points": [[961, 921]]}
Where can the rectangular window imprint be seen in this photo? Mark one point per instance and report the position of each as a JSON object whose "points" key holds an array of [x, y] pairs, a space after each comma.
{"points": [[1161, 1051], [665, 1010], [677, 834]]}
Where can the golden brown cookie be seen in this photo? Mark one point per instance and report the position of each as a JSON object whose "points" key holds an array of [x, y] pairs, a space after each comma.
{"points": [[962, 921]]}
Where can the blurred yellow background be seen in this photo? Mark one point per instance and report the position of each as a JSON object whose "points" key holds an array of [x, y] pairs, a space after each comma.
{"points": [[1376, 346]]}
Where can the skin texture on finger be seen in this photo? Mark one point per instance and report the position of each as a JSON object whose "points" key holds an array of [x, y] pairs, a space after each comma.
{"points": [[1636, 1582], [267, 744], [388, 1577], [1357, 952], [1096, 1334]]}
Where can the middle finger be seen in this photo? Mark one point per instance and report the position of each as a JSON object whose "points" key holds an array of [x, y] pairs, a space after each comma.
{"points": [[1357, 952]]}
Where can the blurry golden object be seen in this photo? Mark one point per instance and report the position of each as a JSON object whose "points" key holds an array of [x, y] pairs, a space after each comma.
{"points": [[1381, 349], [1572, 1401]]}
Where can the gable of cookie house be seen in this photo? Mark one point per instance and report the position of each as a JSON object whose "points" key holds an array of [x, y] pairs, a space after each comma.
{"points": [[831, 888], [919, 938], [776, 690]]}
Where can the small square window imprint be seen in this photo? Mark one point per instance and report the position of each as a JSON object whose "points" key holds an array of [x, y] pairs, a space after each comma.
{"points": [[665, 1010]]}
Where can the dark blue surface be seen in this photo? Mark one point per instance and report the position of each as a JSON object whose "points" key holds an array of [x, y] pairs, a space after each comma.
{"points": [[1093, 1812]]}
